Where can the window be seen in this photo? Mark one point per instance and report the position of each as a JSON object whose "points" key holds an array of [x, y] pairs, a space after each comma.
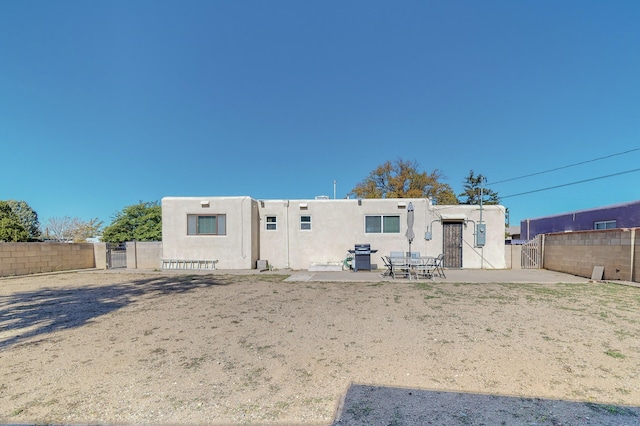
{"points": [[382, 224], [305, 223], [214, 224], [272, 223], [604, 224]]}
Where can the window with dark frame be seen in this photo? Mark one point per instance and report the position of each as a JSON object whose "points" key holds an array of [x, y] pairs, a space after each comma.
{"points": [[210, 224], [604, 224], [382, 224], [305, 223]]}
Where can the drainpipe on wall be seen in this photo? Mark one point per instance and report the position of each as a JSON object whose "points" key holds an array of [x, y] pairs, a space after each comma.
{"points": [[244, 255], [286, 204]]}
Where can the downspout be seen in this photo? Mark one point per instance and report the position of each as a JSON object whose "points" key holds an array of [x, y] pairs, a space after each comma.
{"points": [[287, 239], [242, 252]]}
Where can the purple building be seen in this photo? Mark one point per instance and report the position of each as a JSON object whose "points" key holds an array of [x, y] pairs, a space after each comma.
{"points": [[625, 215]]}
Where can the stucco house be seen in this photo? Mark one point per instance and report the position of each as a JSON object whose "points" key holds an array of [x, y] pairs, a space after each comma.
{"points": [[238, 232], [626, 215]]}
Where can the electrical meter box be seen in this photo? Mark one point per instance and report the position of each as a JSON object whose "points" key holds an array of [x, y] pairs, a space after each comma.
{"points": [[481, 235]]}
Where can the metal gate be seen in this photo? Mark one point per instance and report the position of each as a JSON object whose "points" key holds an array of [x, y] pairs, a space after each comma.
{"points": [[116, 255], [452, 244], [531, 255]]}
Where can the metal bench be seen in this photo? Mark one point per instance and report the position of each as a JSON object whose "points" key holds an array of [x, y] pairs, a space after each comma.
{"points": [[188, 264]]}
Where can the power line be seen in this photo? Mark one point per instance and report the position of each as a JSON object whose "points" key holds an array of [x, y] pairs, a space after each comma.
{"points": [[565, 167], [572, 183]]}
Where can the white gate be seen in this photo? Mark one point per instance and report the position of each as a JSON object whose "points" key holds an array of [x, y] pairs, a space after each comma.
{"points": [[531, 255]]}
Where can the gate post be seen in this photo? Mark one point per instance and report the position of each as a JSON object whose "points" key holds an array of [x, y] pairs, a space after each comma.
{"points": [[541, 264], [100, 255]]}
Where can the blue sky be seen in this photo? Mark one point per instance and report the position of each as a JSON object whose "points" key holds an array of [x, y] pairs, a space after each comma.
{"points": [[106, 103]]}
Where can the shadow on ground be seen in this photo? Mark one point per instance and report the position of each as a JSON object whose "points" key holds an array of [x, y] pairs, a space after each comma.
{"points": [[25, 315], [377, 405]]}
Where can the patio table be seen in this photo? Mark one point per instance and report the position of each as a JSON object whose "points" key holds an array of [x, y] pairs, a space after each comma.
{"points": [[405, 266]]}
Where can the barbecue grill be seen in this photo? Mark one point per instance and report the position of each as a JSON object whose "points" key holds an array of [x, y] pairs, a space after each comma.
{"points": [[362, 257]]}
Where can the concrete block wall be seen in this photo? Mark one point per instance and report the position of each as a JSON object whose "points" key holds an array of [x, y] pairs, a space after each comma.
{"points": [[30, 258], [512, 256], [636, 257], [577, 253], [144, 255], [100, 254]]}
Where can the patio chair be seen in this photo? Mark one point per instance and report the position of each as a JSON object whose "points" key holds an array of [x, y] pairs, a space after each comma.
{"points": [[422, 268], [387, 264], [400, 267], [438, 266]]}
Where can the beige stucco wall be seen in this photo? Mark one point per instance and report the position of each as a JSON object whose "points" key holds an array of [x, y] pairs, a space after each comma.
{"points": [[238, 249], [100, 255], [30, 258], [491, 255], [144, 254], [336, 225], [513, 256]]}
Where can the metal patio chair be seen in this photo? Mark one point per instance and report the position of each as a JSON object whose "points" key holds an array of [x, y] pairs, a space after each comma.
{"points": [[438, 266], [387, 264], [400, 266], [423, 267]]}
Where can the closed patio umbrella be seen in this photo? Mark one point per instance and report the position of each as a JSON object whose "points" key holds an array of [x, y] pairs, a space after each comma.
{"points": [[410, 234]]}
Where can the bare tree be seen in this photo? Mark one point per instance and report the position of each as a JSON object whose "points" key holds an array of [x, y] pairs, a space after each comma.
{"points": [[70, 229], [59, 228]]}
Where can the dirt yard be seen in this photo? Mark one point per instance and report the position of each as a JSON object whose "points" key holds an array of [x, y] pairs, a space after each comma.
{"points": [[116, 348]]}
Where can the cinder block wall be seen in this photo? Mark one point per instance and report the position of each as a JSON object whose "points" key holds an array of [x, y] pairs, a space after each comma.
{"points": [[578, 252], [144, 255], [512, 255], [30, 258]]}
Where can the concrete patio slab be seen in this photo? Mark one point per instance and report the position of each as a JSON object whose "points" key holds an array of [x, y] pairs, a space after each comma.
{"points": [[453, 276]]}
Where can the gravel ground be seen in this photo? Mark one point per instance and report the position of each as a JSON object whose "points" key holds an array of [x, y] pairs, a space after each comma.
{"points": [[105, 348]]}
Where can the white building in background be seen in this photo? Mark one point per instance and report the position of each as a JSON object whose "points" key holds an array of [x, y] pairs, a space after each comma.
{"points": [[302, 234]]}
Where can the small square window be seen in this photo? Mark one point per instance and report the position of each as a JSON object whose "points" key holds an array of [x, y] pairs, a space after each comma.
{"points": [[305, 223], [272, 223]]}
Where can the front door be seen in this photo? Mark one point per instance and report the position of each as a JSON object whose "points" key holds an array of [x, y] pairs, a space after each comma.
{"points": [[452, 244]]}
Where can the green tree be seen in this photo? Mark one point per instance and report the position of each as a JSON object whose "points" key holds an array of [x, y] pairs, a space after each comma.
{"points": [[401, 179], [11, 227], [473, 187], [139, 222], [28, 217]]}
